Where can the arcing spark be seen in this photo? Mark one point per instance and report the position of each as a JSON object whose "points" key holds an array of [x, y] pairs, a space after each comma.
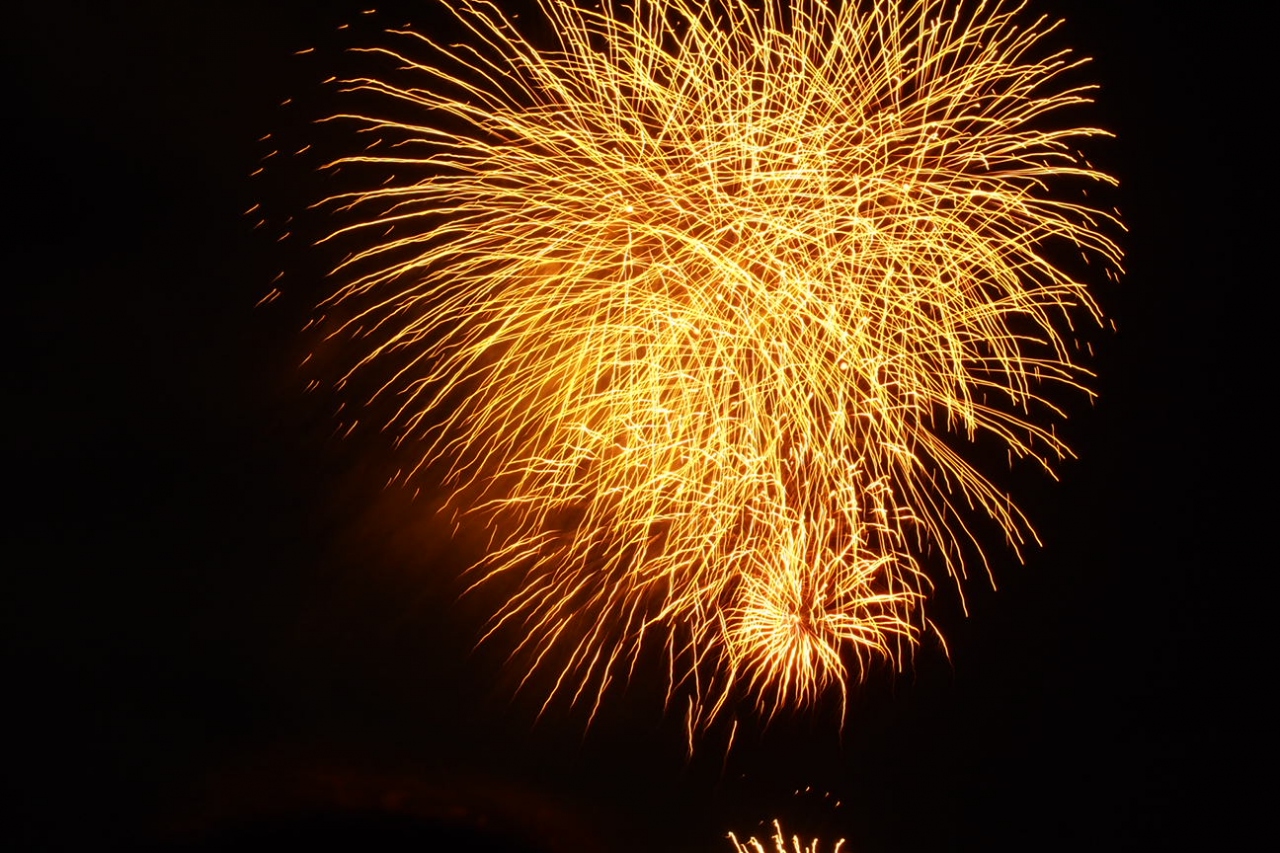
{"points": [[753, 845], [703, 306]]}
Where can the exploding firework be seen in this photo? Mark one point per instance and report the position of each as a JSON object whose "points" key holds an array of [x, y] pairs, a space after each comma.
{"points": [[754, 845], [704, 308]]}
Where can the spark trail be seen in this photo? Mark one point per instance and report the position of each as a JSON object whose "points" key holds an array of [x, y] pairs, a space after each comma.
{"points": [[754, 845]]}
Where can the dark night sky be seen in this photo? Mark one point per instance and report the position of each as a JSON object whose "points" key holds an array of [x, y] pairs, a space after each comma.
{"points": [[217, 621]]}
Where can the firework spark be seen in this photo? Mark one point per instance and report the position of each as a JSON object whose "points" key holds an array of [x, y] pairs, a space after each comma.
{"points": [[704, 307], [753, 845]]}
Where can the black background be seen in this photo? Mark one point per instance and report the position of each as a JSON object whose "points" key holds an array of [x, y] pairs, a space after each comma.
{"points": [[220, 628]]}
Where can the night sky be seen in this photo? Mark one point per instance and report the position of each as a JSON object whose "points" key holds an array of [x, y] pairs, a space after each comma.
{"points": [[222, 632]]}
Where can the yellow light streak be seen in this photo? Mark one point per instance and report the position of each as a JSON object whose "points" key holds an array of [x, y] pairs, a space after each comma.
{"points": [[753, 845], [705, 307]]}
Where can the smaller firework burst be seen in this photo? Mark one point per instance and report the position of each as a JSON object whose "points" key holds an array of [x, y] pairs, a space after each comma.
{"points": [[795, 618], [780, 842]]}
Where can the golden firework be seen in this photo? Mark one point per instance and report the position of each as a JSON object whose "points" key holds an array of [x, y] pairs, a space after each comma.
{"points": [[703, 307], [753, 845]]}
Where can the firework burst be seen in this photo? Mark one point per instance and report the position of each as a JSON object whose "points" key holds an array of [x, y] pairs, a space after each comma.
{"points": [[702, 307], [754, 845]]}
